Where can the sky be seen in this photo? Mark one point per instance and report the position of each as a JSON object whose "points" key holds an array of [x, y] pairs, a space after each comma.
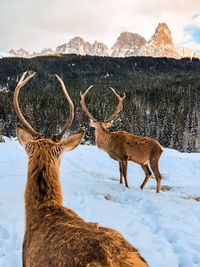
{"points": [[35, 24]]}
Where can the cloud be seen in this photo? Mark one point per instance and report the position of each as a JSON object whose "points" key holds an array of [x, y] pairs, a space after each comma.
{"points": [[35, 24], [192, 33]]}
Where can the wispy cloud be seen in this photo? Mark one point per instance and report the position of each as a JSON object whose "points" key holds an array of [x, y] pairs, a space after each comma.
{"points": [[35, 24], [192, 33]]}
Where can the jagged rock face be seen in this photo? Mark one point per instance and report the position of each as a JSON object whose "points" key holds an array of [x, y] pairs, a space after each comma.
{"points": [[128, 44], [187, 52], [76, 46], [46, 51], [62, 49], [19, 53], [99, 49], [35, 54], [162, 39], [79, 47], [23, 53]]}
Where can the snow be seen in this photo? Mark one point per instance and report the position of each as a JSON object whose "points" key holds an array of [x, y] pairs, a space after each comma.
{"points": [[164, 227]]}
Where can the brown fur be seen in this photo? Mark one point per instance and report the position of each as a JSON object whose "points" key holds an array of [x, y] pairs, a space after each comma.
{"points": [[55, 235], [123, 146]]}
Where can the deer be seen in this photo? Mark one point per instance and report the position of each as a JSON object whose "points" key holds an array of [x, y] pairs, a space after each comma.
{"points": [[55, 235], [123, 146]]}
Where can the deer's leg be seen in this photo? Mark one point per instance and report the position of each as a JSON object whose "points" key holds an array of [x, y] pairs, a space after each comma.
{"points": [[148, 174], [154, 167], [121, 172], [124, 166]]}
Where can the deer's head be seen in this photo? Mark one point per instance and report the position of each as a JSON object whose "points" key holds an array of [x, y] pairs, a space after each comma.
{"points": [[37, 147], [107, 123]]}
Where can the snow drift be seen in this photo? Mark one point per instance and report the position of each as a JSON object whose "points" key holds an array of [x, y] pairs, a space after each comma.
{"points": [[164, 227]]}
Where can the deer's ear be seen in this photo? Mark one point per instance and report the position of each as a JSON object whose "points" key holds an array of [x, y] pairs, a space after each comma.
{"points": [[108, 124], [72, 141], [23, 135]]}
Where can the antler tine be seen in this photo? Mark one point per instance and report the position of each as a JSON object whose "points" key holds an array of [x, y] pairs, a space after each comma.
{"points": [[118, 96], [84, 106], [71, 106], [21, 83], [86, 91], [22, 77], [119, 107]]}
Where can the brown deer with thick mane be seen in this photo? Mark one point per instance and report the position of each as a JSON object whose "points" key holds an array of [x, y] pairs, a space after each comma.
{"points": [[55, 235], [123, 146]]}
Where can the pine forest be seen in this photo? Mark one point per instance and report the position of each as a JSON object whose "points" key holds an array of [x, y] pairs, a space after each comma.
{"points": [[162, 96]]}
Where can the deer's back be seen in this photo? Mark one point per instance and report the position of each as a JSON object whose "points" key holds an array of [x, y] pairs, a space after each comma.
{"points": [[61, 238], [135, 148]]}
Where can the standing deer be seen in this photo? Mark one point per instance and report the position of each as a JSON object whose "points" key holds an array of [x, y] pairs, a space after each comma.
{"points": [[55, 235], [123, 146]]}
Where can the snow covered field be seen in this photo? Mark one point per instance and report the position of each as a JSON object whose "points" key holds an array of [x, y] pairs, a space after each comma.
{"points": [[164, 227]]}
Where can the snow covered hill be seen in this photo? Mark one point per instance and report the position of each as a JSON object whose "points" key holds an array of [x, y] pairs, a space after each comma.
{"points": [[164, 227]]}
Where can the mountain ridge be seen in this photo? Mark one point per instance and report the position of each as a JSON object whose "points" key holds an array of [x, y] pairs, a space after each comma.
{"points": [[127, 44]]}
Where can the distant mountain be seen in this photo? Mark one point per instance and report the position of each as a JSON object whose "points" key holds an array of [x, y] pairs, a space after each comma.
{"points": [[19, 53], [128, 44], [78, 46]]}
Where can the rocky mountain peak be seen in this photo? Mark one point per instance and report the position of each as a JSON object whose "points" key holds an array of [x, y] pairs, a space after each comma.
{"points": [[163, 27], [46, 51], [129, 43], [130, 39], [162, 37], [99, 49], [19, 53], [78, 46]]}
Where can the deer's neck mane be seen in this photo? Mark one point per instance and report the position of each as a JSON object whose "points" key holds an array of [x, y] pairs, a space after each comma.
{"points": [[102, 137], [43, 183]]}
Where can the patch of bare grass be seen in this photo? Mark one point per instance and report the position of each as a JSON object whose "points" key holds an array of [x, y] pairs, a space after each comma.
{"points": [[191, 197], [162, 188], [107, 198]]}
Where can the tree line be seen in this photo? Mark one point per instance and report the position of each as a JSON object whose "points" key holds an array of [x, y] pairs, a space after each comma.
{"points": [[162, 96]]}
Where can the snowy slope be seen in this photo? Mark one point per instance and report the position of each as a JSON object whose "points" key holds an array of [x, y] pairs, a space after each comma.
{"points": [[164, 227]]}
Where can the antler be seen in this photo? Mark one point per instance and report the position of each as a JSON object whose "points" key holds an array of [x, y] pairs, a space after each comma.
{"points": [[119, 107], [21, 83], [84, 106], [71, 106]]}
